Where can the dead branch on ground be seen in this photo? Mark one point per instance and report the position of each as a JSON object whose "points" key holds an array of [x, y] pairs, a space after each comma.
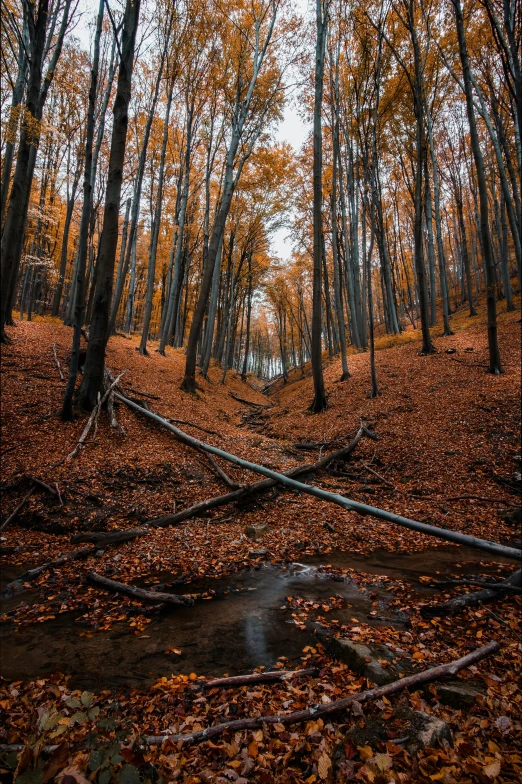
{"points": [[250, 491], [62, 377], [459, 603], [138, 593], [409, 682], [255, 677]]}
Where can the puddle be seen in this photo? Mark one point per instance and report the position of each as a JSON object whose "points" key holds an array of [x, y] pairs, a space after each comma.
{"points": [[247, 624], [235, 632], [438, 561]]}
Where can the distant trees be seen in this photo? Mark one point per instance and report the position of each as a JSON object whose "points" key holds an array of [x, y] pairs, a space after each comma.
{"points": [[402, 205]]}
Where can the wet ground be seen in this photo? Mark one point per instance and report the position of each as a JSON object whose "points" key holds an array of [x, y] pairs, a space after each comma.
{"points": [[247, 623]]}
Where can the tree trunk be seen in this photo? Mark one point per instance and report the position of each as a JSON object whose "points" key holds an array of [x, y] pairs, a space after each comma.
{"points": [[495, 365], [156, 227], [319, 403], [92, 381]]}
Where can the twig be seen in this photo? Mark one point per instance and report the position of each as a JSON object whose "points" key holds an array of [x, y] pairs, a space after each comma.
{"points": [[410, 681], [222, 474], [513, 632], [475, 498], [249, 402], [142, 394], [59, 494], [386, 482], [469, 364], [62, 377]]}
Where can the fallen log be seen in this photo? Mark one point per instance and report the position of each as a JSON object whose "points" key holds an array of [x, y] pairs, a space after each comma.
{"points": [[249, 491], [335, 498], [459, 603], [138, 593], [249, 402], [498, 586], [15, 586], [255, 677], [31, 574], [102, 539], [409, 682]]}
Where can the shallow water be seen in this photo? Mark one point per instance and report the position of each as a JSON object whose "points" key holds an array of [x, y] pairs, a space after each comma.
{"points": [[248, 623]]}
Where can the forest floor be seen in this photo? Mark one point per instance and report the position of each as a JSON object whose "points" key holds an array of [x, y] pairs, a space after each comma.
{"points": [[448, 454]]}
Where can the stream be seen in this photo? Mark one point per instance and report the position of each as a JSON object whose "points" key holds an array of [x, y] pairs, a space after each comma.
{"points": [[247, 623]]}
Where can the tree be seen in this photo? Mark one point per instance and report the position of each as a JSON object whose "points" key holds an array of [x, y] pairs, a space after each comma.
{"points": [[319, 403], [495, 365], [38, 24], [92, 381]]}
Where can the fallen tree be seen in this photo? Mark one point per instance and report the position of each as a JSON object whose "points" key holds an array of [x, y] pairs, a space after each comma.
{"points": [[334, 498], [459, 603], [102, 539], [138, 593], [322, 709], [249, 491], [249, 402]]}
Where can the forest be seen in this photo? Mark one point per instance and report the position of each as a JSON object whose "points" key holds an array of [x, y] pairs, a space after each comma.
{"points": [[261, 273]]}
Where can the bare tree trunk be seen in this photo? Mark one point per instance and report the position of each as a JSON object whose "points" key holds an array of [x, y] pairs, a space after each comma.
{"points": [[92, 381], [495, 365], [14, 229], [319, 403], [79, 294], [14, 114], [156, 228]]}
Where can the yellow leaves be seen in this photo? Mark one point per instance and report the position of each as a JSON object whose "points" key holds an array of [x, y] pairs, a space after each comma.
{"points": [[177, 651], [253, 751], [314, 726], [492, 770], [418, 655], [323, 766], [365, 752]]}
